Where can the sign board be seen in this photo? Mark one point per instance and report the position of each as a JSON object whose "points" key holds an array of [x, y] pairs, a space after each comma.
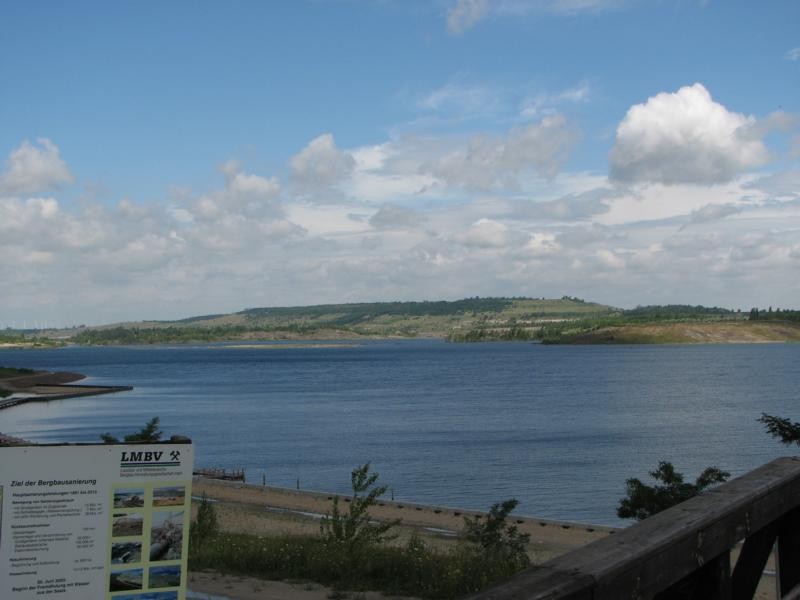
{"points": [[95, 522]]}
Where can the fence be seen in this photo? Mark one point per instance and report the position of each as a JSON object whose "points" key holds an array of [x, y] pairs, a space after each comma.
{"points": [[685, 551]]}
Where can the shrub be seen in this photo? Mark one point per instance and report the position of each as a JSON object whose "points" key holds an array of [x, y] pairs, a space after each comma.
{"points": [[148, 433], [205, 524], [643, 501], [501, 545], [352, 534]]}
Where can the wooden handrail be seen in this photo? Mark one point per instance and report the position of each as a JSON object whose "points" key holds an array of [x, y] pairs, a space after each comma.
{"points": [[683, 552]]}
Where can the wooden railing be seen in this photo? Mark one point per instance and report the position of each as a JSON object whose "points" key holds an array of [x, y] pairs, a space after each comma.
{"points": [[685, 551]]}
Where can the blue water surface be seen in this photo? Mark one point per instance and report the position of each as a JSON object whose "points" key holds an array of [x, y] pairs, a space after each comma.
{"points": [[560, 428]]}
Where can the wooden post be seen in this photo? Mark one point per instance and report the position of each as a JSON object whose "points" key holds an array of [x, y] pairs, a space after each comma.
{"points": [[752, 559], [714, 580], [787, 564]]}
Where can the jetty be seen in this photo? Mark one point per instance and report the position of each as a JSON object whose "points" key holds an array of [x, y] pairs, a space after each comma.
{"points": [[222, 474]]}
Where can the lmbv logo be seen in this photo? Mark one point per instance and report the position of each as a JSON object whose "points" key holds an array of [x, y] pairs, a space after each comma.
{"points": [[144, 456]]}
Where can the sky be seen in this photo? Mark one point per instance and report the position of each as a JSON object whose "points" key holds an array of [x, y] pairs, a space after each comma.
{"points": [[161, 160]]}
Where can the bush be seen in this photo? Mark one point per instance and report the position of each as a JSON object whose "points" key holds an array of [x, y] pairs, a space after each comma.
{"points": [[498, 543], [352, 534], [148, 433], [783, 429], [414, 569], [205, 524], [643, 501]]}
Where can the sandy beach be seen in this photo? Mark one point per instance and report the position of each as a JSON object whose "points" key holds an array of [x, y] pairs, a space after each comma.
{"points": [[271, 510], [260, 510]]}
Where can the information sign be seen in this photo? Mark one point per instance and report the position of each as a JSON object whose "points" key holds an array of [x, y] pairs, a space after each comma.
{"points": [[95, 522]]}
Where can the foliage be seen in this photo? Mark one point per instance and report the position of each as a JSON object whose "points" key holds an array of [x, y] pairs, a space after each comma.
{"points": [[497, 541], [774, 315], [351, 313], [643, 501], [352, 320], [783, 429], [148, 433], [205, 524], [502, 334], [413, 569], [676, 311], [353, 532]]}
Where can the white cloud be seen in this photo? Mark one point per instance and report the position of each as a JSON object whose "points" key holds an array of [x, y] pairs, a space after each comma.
{"points": [[572, 207], [610, 259], [793, 54], [784, 185], [465, 14], [321, 165], [684, 137], [31, 169], [245, 194], [418, 231], [456, 98], [18, 216], [390, 216], [542, 244], [545, 103], [491, 162], [713, 212], [485, 233]]}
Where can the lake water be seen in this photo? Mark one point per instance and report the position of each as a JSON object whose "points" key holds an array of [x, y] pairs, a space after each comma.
{"points": [[558, 427]]}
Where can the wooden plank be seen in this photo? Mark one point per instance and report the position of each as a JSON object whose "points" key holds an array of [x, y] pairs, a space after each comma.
{"points": [[541, 583], [652, 555]]}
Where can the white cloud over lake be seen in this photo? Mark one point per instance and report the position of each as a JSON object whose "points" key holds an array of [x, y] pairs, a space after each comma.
{"points": [[686, 215], [685, 137]]}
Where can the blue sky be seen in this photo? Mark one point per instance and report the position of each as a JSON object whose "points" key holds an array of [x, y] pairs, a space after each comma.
{"points": [[168, 159]]}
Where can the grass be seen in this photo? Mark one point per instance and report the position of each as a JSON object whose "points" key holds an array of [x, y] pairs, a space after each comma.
{"points": [[413, 569]]}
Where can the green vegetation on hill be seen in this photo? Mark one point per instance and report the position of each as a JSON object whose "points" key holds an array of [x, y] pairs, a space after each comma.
{"points": [[489, 316], [677, 312], [566, 320], [774, 315]]}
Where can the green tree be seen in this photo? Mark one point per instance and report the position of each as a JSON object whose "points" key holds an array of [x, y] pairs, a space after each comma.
{"points": [[205, 524], [783, 429], [643, 500], [148, 433], [353, 531], [497, 540]]}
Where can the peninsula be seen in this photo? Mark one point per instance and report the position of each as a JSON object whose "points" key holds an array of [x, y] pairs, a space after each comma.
{"points": [[20, 386]]}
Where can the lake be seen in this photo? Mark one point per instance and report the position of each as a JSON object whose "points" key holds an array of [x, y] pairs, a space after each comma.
{"points": [[560, 428]]}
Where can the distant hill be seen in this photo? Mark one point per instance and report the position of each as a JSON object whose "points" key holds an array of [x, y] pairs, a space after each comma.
{"points": [[565, 320], [344, 321]]}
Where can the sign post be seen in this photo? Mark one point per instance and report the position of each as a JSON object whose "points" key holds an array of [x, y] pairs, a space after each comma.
{"points": [[95, 522]]}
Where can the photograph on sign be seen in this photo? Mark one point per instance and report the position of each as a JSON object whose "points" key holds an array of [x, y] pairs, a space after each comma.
{"points": [[125, 525]]}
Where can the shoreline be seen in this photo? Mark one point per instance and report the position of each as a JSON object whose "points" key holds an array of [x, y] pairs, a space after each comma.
{"points": [[253, 508]]}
